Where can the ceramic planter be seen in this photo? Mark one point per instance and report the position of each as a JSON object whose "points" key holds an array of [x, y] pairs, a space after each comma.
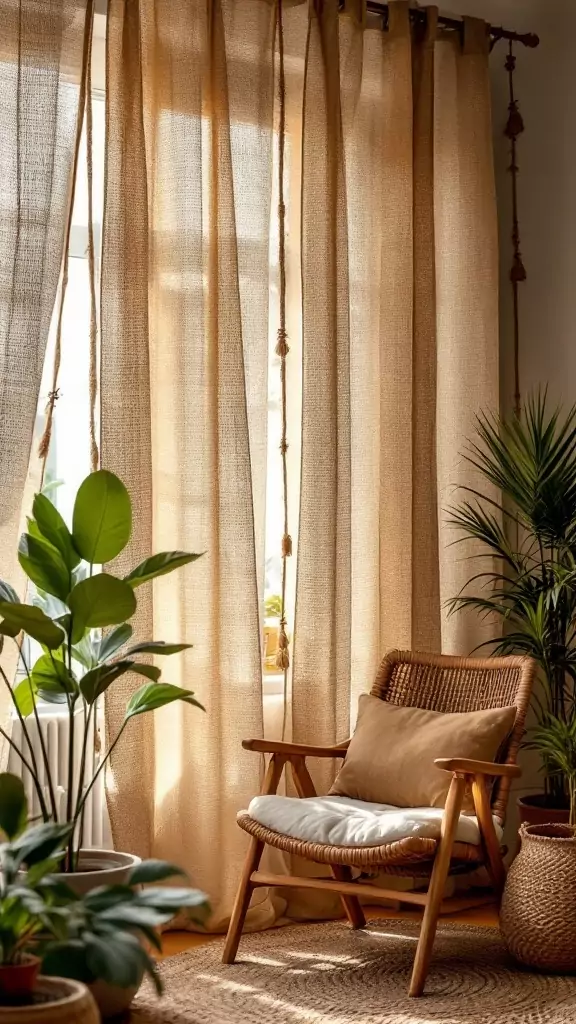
{"points": [[56, 1001], [99, 867], [534, 811], [538, 911], [96, 868]]}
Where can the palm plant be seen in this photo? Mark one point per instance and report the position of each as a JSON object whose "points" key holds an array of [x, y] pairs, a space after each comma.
{"points": [[529, 461], [73, 604]]}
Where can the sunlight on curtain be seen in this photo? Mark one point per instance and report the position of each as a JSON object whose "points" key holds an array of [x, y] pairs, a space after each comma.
{"points": [[41, 67], [184, 403]]}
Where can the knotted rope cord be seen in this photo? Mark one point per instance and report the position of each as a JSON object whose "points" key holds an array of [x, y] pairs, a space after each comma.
{"points": [[54, 393], [93, 371], [282, 349], [514, 128]]}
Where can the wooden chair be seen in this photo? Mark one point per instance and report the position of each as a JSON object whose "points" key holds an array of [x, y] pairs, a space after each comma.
{"points": [[436, 683]]}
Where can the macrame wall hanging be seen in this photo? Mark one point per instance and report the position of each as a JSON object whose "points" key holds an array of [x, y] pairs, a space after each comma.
{"points": [[84, 116]]}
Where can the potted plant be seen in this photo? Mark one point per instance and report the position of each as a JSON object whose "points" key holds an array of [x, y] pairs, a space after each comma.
{"points": [[530, 461], [109, 929], [99, 939], [30, 918], [75, 602]]}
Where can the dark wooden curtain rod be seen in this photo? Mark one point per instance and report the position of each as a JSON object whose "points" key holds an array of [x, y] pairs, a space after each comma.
{"points": [[418, 15]]}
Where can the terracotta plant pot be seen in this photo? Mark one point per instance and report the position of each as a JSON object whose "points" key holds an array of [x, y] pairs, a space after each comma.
{"points": [[534, 811], [55, 1001], [538, 911], [18, 980], [99, 867]]}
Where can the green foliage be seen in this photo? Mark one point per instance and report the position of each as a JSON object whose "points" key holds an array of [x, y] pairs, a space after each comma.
{"points": [[74, 601], [555, 738], [102, 519], [108, 929], [101, 935], [273, 606], [531, 532], [29, 916]]}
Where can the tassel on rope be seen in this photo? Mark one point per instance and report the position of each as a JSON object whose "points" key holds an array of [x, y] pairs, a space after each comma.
{"points": [[44, 443], [282, 348], [286, 545], [283, 657]]}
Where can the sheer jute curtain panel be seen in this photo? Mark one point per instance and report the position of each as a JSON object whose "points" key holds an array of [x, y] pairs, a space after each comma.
{"points": [[42, 64], [392, 327]]}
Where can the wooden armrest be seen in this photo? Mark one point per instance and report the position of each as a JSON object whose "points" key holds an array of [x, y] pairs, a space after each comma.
{"points": [[294, 749], [469, 767]]}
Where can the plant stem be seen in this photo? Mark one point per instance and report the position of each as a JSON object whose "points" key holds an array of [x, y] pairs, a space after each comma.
{"points": [[83, 762], [100, 767], [40, 737], [71, 737], [26, 735]]}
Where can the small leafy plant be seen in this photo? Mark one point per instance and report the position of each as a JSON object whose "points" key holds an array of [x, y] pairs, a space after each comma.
{"points": [[108, 929], [74, 603], [101, 935], [28, 912]]}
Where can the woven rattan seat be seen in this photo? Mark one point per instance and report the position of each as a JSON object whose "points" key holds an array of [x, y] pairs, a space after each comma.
{"points": [[431, 682], [406, 856]]}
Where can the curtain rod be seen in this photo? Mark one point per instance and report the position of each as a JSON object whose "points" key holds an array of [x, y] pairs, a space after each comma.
{"points": [[418, 14]]}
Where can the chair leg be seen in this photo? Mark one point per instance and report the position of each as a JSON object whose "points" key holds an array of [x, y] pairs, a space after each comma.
{"points": [[351, 904], [436, 887], [242, 902]]}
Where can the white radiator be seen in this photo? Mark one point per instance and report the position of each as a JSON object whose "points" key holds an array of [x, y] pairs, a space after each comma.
{"points": [[55, 726]]}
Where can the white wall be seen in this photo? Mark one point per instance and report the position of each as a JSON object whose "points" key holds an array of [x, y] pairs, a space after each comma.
{"points": [[545, 87]]}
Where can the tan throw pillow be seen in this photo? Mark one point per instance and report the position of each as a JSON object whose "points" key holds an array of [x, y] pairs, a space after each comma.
{"points": [[391, 755]]}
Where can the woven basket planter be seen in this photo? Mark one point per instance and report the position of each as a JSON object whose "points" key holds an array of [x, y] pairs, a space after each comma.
{"points": [[538, 912]]}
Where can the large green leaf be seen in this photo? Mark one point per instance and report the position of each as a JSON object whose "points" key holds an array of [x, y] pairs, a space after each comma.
{"points": [[54, 529], [95, 682], [153, 871], [157, 647], [116, 638], [13, 805], [33, 621], [156, 695], [159, 565], [50, 675], [102, 518], [40, 842], [24, 696], [44, 565], [101, 600]]}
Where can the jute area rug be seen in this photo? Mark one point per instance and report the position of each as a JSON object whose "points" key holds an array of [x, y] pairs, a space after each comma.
{"points": [[328, 974]]}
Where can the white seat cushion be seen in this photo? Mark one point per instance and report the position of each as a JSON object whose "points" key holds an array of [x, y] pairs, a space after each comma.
{"points": [[341, 821]]}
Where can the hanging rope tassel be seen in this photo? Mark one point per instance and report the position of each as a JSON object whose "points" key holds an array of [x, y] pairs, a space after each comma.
{"points": [[54, 393], [93, 371], [282, 350]]}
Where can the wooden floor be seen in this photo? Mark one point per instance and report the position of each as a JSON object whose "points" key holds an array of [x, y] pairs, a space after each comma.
{"points": [[178, 942]]}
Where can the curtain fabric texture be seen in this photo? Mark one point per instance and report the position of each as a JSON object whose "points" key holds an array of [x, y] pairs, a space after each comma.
{"points": [[42, 57], [184, 404], [392, 296], [400, 343]]}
